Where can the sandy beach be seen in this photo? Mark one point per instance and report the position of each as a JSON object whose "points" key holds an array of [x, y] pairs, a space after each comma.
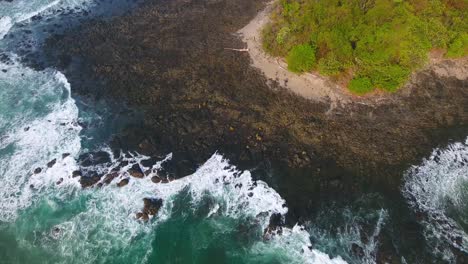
{"points": [[308, 85]]}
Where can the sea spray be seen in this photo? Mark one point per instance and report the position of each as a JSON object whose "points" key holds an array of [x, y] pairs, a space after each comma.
{"points": [[5, 25], [37, 124], [352, 230], [438, 190], [49, 214], [104, 222]]}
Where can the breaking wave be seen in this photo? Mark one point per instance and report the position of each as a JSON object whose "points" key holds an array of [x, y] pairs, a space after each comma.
{"points": [[46, 209], [5, 25], [37, 123], [438, 192], [106, 222]]}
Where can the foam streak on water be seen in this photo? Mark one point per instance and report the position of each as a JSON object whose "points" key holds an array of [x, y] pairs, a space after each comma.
{"points": [[16, 12], [37, 124], [438, 191], [5, 25], [48, 212], [108, 222]]}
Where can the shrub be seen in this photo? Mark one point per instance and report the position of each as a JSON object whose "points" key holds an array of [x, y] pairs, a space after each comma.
{"points": [[301, 58], [389, 77], [282, 35], [383, 41], [360, 85], [330, 65], [458, 47]]}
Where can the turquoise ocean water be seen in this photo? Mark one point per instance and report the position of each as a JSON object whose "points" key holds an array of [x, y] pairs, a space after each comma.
{"points": [[216, 215]]}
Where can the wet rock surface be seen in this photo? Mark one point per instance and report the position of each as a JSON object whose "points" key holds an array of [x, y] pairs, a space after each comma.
{"points": [[89, 180], [110, 177], [151, 208], [123, 182], [169, 60], [199, 98], [136, 172], [93, 158], [77, 173], [275, 226], [51, 163]]}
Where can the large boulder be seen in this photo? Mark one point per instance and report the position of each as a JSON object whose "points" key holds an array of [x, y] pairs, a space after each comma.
{"points": [[123, 182], [152, 206], [135, 171], [89, 179]]}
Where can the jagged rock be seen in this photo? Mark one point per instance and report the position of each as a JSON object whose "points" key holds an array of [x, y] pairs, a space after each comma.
{"points": [[88, 181], [77, 173], [64, 155], [136, 172], [142, 216], [123, 182], [94, 158], [164, 180], [149, 162], [59, 181], [274, 226], [357, 250], [51, 163], [37, 170], [152, 206], [155, 179], [110, 177], [139, 215]]}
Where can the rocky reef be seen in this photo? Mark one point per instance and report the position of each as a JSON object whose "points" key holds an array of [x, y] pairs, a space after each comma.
{"points": [[169, 59]]}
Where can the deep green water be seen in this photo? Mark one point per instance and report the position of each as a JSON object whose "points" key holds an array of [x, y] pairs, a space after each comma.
{"points": [[216, 215]]}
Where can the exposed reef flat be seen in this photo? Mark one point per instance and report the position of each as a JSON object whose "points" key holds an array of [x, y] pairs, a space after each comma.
{"points": [[170, 60]]}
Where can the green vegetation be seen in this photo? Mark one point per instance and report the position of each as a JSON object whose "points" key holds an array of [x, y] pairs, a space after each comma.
{"points": [[360, 85], [372, 43], [301, 58]]}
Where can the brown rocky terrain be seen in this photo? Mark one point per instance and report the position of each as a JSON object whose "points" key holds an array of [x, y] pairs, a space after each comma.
{"points": [[168, 59]]}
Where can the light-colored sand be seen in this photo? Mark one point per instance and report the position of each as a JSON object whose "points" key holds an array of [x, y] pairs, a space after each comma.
{"points": [[318, 88], [308, 85]]}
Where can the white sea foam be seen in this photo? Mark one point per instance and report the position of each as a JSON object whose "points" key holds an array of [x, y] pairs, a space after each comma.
{"points": [[114, 208], [21, 11], [108, 222], [5, 25], [39, 124], [342, 239], [22, 16], [438, 191], [295, 245], [34, 136], [371, 246]]}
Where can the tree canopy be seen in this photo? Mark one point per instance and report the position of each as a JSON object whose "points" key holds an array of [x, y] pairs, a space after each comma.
{"points": [[370, 43]]}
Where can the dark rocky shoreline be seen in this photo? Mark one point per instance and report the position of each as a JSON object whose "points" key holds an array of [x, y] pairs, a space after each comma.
{"points": [[168, 60]]}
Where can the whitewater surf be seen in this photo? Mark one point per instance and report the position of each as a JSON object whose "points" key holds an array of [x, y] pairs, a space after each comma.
{"points": [[46, 213], [51, 212]]}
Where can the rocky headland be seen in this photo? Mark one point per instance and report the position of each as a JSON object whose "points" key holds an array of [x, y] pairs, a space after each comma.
{"points": [[173, 60]]}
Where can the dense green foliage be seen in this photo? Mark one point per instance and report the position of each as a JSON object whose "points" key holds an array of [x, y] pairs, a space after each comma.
{"points": [[377, 42], [301, 58], [360, 85]]}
